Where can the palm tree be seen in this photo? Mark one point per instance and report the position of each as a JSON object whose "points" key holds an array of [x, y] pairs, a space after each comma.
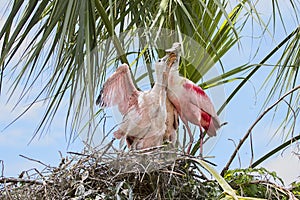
{"points": [[77, 42]]}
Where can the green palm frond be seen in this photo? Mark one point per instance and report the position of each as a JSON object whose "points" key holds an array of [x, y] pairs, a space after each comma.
{"points": [[76, 42], [282, 44], [68, 47], [210, 26], [286, 71]]}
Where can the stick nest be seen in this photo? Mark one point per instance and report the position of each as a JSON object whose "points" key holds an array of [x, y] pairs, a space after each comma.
{"points": [[156, 173]]}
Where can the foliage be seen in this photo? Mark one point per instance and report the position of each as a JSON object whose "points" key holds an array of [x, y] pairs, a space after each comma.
{"points": [[296, 189], [257, 182]]}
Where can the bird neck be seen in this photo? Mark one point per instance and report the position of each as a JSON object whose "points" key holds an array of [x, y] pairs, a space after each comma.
{"points": [[174, 70], [161, 78], [174, 79], [175, 67]]}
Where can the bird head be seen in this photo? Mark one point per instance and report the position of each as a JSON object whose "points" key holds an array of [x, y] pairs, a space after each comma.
{"points": [[176, 48], [161, 66], [174, 56]]}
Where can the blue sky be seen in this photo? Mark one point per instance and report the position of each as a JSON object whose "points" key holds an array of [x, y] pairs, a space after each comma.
{"points": [[240, 114]]}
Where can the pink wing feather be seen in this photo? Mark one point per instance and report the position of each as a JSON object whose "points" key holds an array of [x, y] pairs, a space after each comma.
{"points": [[119, 90], [208, 114], [199, 98]]}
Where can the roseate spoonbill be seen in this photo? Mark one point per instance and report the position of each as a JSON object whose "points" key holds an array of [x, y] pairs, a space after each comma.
{"points": [[191, 102], [144, 113]]}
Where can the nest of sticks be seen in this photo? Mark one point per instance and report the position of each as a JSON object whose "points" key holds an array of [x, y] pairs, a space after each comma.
{"points": [[156, 173]]}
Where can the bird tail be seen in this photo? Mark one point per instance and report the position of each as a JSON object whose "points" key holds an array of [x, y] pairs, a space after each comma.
{"points": [[213, 127]]}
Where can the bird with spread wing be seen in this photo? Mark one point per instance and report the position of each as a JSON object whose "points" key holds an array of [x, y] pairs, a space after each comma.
{"points": [[145, 122]]}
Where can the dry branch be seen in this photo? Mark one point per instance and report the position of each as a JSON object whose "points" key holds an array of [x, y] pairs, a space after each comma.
{"points": [[20, 180], [253, 125]]}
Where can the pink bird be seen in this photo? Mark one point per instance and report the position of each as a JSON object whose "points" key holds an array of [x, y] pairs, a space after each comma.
{"points": [[191, 102], [144, 113]]}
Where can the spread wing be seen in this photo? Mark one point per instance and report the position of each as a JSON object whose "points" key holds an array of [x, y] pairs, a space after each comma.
{"points": [[119, 90]]}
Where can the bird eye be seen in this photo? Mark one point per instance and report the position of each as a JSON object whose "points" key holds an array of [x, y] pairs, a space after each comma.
{"points": [[159, 60]]}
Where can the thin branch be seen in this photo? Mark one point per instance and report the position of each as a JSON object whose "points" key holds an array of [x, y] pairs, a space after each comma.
{"points": [[297, 154], [238, 155], [31, 159], [20, 180], [253, 125], [251, 148], [2, 168]]}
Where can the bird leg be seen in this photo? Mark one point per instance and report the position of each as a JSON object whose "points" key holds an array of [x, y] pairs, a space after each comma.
{"points": [[191, 137], [201, 142]]}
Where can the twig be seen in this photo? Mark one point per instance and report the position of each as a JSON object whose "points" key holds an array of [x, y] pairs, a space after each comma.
{"points": [[20, 180], [251, 148], [34, 160], [79, 154], [297, 154], [108, 146], [253, 125], [2, 168], [7, 192], [238, 155]]}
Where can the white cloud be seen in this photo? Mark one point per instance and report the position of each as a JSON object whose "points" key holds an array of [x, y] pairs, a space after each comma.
{"points": [[287, 166]]}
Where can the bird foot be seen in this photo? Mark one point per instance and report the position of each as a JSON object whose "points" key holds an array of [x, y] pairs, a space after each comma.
{"points": [[200, 156]]}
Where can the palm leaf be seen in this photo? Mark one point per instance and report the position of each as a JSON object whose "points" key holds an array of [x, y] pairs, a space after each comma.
{"points": [[229, 193], [76, 43]]}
